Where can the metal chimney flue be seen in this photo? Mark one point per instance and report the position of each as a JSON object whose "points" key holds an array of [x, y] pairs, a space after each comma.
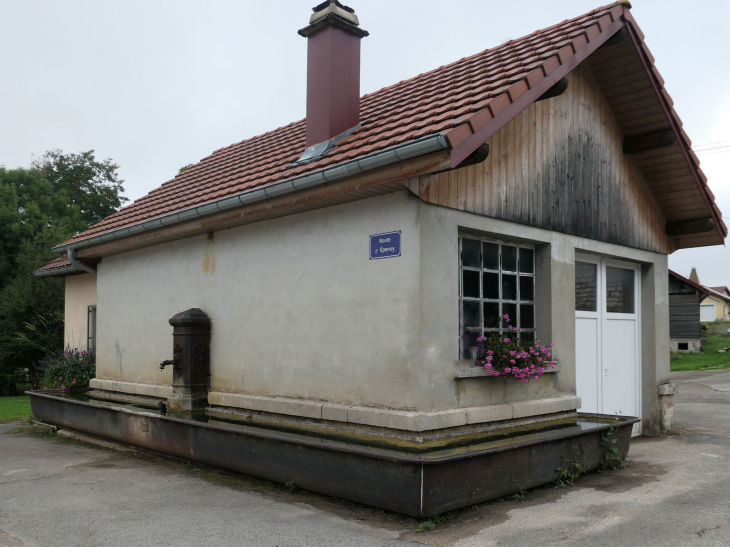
{"points": [[333, 76]]}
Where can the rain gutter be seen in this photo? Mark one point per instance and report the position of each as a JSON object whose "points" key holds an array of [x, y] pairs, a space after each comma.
{"points": [[57, 272], [403, 152]]}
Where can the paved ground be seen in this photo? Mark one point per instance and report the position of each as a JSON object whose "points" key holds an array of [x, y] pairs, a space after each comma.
{"points": [[676, 491]]}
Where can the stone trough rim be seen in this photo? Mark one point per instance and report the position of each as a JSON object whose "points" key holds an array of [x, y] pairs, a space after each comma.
{"points": [[623, 421]]}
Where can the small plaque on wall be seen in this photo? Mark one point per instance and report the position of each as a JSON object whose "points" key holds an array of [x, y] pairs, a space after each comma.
{"points": [[385, 245]]}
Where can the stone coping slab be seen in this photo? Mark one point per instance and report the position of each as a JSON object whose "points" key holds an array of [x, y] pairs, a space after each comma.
{"points": [[395, 419], [379, 417], [133, 388]]}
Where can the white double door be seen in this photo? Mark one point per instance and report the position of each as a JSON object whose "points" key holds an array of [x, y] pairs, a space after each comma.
{"points": [[607, 337]]}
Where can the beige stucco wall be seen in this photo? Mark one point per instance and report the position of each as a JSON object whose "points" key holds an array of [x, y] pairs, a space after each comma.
{"points": [[722, 308], [80, 294], [299, 310], [297, 307]]}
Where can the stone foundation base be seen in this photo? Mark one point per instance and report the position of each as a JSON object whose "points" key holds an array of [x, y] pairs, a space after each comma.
{"points": [[403, 420], [685, 345]]}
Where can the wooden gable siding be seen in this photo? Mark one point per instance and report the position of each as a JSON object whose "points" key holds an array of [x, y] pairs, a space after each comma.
{"points": [[684, 309], [684, 316], [559, 165]]}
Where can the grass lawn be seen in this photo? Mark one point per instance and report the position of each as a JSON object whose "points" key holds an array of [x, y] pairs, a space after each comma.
{"points": [[708, 358], [14, 408]]}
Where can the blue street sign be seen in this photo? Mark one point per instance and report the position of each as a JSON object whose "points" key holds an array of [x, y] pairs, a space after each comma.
{"points": [[385, 245]]}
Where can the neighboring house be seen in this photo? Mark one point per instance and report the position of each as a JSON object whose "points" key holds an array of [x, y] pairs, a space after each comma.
{"points": [[349, 261], [684, 313], [80, 303], [716, 305]]}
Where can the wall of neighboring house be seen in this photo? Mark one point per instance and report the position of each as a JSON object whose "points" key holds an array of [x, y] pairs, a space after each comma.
{"points": [[722, 307], [80, 294]]}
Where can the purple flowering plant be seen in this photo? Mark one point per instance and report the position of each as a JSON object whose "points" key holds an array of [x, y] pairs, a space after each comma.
{"points": [[506, 355], [72, 370]]}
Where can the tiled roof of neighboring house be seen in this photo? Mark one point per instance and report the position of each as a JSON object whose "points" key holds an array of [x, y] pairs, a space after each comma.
{"points": [[713, 292], [57, 268], [720, 289], [690, 282], [457, 100]]}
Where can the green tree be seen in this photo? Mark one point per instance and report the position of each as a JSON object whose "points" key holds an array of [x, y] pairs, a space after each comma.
{"points": [[58, 196]]}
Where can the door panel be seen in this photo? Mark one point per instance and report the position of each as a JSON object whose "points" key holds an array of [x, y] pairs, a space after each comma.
{"points": [[619, 367]]}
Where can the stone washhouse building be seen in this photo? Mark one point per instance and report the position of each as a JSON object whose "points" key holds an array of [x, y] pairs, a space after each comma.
{"points": [[348, 261]]}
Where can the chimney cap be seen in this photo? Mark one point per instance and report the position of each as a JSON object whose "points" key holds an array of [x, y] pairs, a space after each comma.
{"points": [[328, 3], [332, 13]]}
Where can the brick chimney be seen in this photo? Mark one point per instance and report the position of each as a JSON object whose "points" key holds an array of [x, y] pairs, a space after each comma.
{"points": [[333, 75], [693, 276]]}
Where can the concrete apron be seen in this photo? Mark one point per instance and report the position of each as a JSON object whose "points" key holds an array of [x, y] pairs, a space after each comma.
{"points": [[419, 485]]}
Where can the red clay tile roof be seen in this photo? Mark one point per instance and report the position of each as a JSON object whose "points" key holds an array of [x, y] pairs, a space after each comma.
{"points": [[455, 99], [60, 266]]}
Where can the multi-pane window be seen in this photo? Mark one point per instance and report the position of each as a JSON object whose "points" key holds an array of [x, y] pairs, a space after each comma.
{"points": [[497, 279]]}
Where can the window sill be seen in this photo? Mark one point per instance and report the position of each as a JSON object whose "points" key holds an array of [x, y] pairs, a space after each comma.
{"points": [[481, 372]]}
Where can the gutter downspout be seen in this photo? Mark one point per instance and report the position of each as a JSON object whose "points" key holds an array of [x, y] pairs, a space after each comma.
{"points": [[80, 265], [389, 156]]}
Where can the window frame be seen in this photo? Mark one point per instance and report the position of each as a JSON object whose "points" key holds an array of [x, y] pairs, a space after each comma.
{"points": [[91, 327], [481, 330]]}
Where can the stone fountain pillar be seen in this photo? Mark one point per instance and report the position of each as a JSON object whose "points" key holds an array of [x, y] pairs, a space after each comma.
{"points": [[190, 360]]}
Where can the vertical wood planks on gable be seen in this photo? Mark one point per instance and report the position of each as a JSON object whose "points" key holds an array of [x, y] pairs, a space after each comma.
{"points": [[559, 165]]}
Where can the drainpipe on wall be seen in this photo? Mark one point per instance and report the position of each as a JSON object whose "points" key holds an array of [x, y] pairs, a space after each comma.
{"points": [[80, 265]]}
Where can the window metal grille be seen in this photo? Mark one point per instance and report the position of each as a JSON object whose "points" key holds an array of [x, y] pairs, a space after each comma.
{"points": [[496, 278]]}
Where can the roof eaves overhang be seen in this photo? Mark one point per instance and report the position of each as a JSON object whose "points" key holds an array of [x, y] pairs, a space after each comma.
{"points": [[401, 153], [637, 36]]}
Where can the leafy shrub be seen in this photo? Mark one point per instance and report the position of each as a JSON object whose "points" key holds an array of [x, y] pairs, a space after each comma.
{"points": [[503, 354], [70, 371]]}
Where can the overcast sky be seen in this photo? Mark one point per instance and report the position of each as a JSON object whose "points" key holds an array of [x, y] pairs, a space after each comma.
{"points": [[156, 85]]}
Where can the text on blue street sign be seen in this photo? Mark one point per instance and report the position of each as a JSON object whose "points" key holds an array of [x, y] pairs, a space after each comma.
{"points": [[385, 245]]}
